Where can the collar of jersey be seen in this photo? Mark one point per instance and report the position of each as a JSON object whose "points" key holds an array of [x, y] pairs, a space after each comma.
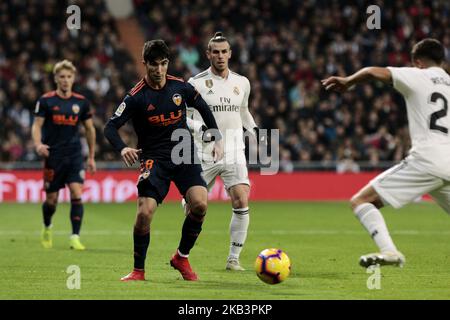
{"points": [[215, 76], [148, 84]]}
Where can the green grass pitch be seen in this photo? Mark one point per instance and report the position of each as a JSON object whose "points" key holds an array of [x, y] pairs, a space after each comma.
{"points": [[323, 240]]}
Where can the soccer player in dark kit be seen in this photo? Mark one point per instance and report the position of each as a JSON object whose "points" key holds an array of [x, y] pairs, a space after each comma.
{"points": [[56, 137], [157, 107]]}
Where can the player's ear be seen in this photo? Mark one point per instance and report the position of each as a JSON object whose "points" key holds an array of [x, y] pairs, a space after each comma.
{"points": [[229, 53], [417, 63]]}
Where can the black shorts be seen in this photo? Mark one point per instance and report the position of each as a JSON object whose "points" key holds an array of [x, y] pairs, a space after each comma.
{"points": [[61, 171], [156, 175]]}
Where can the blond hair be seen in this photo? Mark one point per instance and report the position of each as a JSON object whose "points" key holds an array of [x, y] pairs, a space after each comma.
{"points": [[65, 64]]}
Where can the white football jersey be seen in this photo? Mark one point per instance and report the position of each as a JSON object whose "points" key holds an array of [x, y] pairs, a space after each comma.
{"points": [[228, 101], [427, 96]]}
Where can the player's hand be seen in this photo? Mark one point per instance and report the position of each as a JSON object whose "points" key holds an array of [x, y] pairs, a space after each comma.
{"points": [[91, 166], [130, 155], [217, 152], [42, 150], [339, 84], [207, 136], [261, 136]]}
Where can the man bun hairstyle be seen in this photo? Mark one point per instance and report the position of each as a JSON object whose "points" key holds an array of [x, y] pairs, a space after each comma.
{"points": [[218, 37], [155, 49], [429, 49]]}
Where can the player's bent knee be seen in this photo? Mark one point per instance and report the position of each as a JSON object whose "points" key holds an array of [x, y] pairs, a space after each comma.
{"points": [[240, 202], [51, 201], [355, 201], [199, 207]]}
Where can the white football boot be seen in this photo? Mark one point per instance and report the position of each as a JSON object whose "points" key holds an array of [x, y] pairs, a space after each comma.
{"points": [[383, 259], [234, 265]]}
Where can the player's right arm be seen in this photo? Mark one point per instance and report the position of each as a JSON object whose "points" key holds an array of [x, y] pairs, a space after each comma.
{"points": [[36, 130], [341, 84], [123, 113], [36, 133]]}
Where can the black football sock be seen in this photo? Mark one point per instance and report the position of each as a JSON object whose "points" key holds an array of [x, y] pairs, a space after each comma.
{"points": [[141, 243], [47, 211], [76, 215], [192, 227]]}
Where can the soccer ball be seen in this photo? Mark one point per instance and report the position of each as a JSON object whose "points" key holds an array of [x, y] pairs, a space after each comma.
{"points": [[272, 266]]}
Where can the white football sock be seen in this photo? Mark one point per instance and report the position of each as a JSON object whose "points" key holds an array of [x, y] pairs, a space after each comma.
{"points": [[238, 231], [371, 218]]}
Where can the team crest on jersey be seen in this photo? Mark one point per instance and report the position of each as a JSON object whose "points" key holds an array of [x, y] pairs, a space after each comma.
{"points": [[236, 91], [209, 83], [177, 99], [120, 109], [76, 108]]}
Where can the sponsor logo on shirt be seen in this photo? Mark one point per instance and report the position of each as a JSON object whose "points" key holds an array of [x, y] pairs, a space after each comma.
{"points": [[164, 120], [62, 119]]}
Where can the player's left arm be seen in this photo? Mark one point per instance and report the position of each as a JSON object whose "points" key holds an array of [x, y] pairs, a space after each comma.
{"points": [[247, 119], [90, 137], [88, 123], [342, 84]]}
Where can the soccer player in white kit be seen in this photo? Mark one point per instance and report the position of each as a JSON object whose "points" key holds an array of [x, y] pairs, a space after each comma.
{"points": [[426, 90], [227, 94]]}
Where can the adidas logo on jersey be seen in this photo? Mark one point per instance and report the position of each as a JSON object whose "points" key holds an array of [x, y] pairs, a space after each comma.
{"points": [[210, 92]]}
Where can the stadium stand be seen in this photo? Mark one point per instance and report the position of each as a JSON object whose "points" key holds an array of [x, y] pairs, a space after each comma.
{"points": [[283, 47]]}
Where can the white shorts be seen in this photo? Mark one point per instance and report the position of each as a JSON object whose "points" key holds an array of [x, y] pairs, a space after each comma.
{"points": [[403, 183], [231, 173]]}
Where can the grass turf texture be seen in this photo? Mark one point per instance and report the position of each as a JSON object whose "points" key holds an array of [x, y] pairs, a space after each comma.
{"points": [[323, 241]]}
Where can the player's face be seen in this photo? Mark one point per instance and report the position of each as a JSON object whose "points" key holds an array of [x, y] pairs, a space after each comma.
{"points": [[64, 80], [157, 70], [218, 55]]}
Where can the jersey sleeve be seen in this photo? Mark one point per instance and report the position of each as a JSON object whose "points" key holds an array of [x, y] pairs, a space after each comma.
{"points": [[87, 112], [41, 108], [123, 113], [247, 119], [403, 79]]}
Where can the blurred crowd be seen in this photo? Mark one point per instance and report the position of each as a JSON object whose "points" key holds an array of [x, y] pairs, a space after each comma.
{"points": [[33, 37], [284, 47]]}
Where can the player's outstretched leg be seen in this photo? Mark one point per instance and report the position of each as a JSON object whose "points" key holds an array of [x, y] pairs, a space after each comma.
{"points": [[141, 237], [48, 209], [238, 225], [197, 199], [365, 205]]}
